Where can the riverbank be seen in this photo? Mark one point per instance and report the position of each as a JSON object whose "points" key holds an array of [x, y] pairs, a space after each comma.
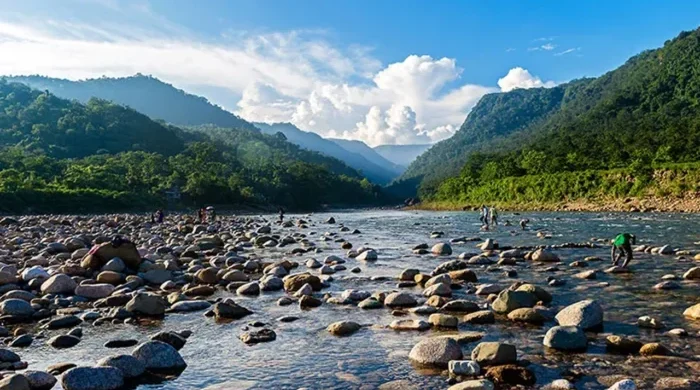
{"points": [[686, 204]]}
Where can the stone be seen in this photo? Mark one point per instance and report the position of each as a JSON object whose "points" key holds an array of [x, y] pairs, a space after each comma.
{"points": [[16, 307], [459, 306], [157, 276], [94, 291], [654, 349], [511, 374], [308, 301], [667, 285], [486, 289], [343, 328], [116, 264], [235, 276], [464, 275], [68, 321], [440, 289], [399, 299], [442, 249], [252, 288], [692, 274], [171, 338], [680, 332], [588, 275], [110, 277], [58, 284], [671, 383], [494, 353], [368, 255], [370, 303], [294, 282], [435, 351], [544, 255], [7, 356], [92, 378], [565, 338], [622, 344], [147, 304], [127, 364], [559, 384], [528, 315], [34, 273], [586, 314], [650, 323], [63, 341], [15, 382], [480, 317], [39, 380], [625, 384], [24, 340], [693, 312], [476, 384], [230, 310], [508, 301], [443, 320], [409, 325], [59, 368], [464, 367], [189, 306], [159, 356], [260, 336], [120, 343]]}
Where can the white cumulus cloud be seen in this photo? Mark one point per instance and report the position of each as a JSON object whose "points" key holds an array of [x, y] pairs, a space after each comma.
{"points": [[521, 78]]}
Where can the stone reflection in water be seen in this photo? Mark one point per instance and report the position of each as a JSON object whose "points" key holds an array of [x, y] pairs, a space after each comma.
{"points": [[305, 354]]}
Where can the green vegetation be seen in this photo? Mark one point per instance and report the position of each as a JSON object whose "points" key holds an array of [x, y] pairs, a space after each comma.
{"points": [[577, 141], [61, 156]]}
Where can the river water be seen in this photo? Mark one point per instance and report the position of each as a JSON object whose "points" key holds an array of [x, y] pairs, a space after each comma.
{"points": [[305, 355]]}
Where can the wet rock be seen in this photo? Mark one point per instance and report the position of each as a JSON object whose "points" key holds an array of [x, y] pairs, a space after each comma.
{"points": [[368, 255], [59, 368], [692, 274], [459, 306], [588, 275], [157, 276], [15, 382], [39, 380], [667, 285], [63, 322], [544, 255], [343, 328], [442, 249], [680, 332], [252, 288], [443, 320], [7, 356], [625, 384], [528, 315], [408, 274], [409, 325], [24, 340], [294, 282], [127, 364], [654, 349], [622, 344], [650, 323], [693, 312], [565, 338], [511, 374], [464, 367], [308, 301], [399, 299], [120, 343], [63, 341], [260, 336], [670, 383], [159, 356], [586, 314], [508, 301], [464, 275], [16, 307], [92, 378], [494, 353], [486, 289], [616, 269], [440, 289], [189, 306], [171, 338], [480, 317], [435, 352], [230, 310], [147, 304], [370, 303]]}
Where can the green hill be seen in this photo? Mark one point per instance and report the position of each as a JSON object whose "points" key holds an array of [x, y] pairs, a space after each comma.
{"points": [[642, 114], [62, 156]]}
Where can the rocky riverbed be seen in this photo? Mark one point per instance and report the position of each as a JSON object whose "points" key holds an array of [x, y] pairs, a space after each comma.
{"points": [[356, 300]]}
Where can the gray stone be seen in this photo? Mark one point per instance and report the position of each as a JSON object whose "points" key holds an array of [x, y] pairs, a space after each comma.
{"points": [[39, 380], [585, 314], [127, 364], [92, 378], [565, 338], [58, 284], [16, 307], [437, 351], [159, 356], [494, 353]]}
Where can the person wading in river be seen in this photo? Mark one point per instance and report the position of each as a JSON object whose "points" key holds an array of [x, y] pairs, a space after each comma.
{"points": [[622, 242]]}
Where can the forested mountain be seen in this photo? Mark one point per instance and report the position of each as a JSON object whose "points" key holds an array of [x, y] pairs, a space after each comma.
{"points": [[646, 112], [402, 155], [308, 140], [145, 94], [60, 155]]}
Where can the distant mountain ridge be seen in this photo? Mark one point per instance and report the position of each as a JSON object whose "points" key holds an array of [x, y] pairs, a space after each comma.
{"points": [[146, 94], [374, 171], [402, 155]]}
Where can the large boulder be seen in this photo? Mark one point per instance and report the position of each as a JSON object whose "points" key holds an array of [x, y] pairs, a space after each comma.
{"points": [[127, 364], [92, 378], [39, 380], [566, 338], [541, 294], [587, 314], [494, 353], [58, 284], [159, 356], [509, 300], [436, 351], [100, 254], [294, 282], [147, 304]]}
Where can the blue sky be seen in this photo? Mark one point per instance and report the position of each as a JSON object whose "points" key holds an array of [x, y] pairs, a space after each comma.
{"points": [[380, 71]]}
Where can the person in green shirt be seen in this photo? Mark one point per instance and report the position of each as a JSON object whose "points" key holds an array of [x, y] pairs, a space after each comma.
{"points": [[622, 242]]}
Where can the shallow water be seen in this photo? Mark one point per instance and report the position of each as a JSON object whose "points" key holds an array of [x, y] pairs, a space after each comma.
{"points": [[305, 355]]}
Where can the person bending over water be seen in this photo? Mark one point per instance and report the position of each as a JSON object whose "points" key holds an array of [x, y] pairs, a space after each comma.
{"points": [[523, 223], [623, 242]]}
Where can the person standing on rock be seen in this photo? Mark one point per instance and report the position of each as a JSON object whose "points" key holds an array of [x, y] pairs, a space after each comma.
{"points": [[622, 242]]}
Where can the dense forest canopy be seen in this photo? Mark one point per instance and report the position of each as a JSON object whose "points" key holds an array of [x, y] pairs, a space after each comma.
{"points": [[642, 113], [60, 155]]}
